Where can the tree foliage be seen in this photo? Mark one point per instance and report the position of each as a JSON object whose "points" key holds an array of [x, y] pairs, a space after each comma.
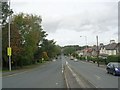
{"points": [[5, 12], [28, 41], [50, 48], [26, 33]]}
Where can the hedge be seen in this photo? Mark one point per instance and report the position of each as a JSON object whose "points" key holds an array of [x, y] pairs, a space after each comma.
{"points": [[110, 58]]}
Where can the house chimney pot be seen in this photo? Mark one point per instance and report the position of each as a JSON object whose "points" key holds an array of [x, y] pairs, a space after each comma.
{"points": [[112, 41]]}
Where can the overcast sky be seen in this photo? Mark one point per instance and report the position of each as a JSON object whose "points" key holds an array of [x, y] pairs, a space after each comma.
{"points": [[66, 20]]}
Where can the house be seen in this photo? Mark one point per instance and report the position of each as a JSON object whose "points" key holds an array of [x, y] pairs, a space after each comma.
{"points": [[110, 49], [118, 48]]}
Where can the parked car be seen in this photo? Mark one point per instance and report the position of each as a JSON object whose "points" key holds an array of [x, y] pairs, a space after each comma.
{"points": [[113, 68], [75, 60]]}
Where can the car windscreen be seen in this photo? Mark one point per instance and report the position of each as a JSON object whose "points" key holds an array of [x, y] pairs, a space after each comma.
{"points": [[117, 65]]}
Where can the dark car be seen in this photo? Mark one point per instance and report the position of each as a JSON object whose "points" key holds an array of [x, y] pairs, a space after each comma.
{"points": [[113, 68]]}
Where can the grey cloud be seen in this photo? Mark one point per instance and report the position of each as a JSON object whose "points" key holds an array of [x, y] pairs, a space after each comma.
{"points": [[51, 26], [97, 20]]}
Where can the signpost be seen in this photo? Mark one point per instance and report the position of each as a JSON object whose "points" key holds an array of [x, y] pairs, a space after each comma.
{"points": [[9, 51]]}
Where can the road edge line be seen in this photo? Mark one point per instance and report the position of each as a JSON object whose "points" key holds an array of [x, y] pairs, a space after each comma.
{"points": [[66, 81]]}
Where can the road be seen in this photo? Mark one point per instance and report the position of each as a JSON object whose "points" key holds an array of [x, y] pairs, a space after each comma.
{"points": [[46, 76], [95, 75], [50, 75]]}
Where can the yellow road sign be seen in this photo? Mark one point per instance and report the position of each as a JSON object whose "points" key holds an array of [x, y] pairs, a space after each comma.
{"points": [[9, 51]]}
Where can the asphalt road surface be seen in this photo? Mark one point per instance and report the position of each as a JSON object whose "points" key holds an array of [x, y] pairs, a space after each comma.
{"points": [[95, 75], [46, 76], [50, 75]]}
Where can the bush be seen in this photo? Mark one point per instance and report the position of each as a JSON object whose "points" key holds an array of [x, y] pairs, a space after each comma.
{"points": [[113, 58]]}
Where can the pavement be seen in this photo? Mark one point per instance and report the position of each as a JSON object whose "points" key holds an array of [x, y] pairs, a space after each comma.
{"points": [[100, 65], [24, 69]]}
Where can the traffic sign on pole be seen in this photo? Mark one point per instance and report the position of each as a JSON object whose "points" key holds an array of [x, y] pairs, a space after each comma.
{"points": [[9, 51]]}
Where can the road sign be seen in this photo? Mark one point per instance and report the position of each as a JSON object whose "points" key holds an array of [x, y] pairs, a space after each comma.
{"points": [[9, 51]]}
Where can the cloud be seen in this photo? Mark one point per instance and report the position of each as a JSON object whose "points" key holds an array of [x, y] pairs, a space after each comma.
{"points": [[51, 25], [65, 19], [96, 17]]}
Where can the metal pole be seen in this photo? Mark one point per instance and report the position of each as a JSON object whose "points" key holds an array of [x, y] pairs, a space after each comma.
{"points": [[97, 51], [9, 39]]}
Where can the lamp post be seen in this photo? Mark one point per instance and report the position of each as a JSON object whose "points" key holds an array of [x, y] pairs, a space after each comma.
{"points": [[9, 48], [86, 45]]}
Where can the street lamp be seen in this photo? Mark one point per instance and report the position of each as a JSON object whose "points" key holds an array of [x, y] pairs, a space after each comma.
{"points": [[86, 45], [9, 48]]}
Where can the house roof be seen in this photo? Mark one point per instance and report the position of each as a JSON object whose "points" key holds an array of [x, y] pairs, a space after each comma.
{"points": [[111, 46], [107, 47], [95, 48]]}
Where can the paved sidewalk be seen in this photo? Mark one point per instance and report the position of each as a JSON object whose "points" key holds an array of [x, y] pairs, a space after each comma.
{"points": [[100, 65], [6, 73], [25, 68]]}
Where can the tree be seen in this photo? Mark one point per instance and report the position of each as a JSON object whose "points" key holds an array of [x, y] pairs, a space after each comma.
{"points": [[50, 48], [26, 34], [31, 32], [5, 12], [69, 50]]}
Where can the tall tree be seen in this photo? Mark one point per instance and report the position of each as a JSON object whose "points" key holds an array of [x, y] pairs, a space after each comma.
{"points": [[31, 32], [50, 48], [26, 34], [5, 12]]}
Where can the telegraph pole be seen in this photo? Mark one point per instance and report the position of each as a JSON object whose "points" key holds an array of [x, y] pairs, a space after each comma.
{"points": [[97, 51], [9, 48]]}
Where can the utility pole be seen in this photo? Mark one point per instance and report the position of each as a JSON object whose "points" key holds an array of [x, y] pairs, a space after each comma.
{"points": [[9, 48], [97, 51]]}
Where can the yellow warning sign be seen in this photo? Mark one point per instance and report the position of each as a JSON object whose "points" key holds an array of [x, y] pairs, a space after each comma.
{"points": [[9, 51]]}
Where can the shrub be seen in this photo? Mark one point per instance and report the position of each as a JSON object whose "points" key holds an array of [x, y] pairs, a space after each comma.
{"points": [[113, 58]]}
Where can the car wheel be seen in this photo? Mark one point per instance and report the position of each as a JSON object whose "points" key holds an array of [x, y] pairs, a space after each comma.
{"points": [[107, 72], [114, 73]]}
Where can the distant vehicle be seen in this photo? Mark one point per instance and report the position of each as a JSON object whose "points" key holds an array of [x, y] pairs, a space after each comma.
{"points": [[113, 68], [71, 58], [75, 60], [54, 60]]}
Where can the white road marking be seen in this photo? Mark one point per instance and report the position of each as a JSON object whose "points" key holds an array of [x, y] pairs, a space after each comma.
{"points": [[98, 77], [56, 83], [66, 62], [66, 81], [62, 68], [76, 77]]}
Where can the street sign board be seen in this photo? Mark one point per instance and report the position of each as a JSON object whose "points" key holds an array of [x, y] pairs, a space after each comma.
{"points": [[9, 51]]}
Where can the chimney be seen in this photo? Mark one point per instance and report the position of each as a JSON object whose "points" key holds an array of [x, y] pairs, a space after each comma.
{"points": [[101, 44], [112, 41]]}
